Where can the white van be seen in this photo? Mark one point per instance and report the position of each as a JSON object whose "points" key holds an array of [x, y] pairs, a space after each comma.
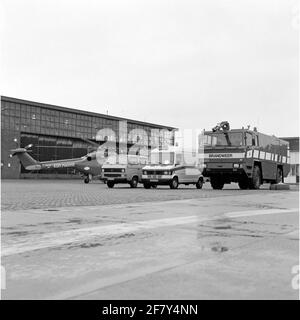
{"points": [[126, 170], [170, 166]]}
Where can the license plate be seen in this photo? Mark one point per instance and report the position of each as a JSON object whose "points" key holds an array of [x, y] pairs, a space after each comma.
{"points": [[110, 178], [154, 180]]}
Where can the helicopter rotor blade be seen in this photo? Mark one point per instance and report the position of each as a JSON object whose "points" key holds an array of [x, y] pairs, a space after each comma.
{"points": [[94, 144]]}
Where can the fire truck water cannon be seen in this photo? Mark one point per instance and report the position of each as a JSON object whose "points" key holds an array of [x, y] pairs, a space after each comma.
{"points": [[224, 125]]}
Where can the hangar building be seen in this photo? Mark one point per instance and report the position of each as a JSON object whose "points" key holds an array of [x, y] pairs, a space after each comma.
{"points": [[59, 133]]}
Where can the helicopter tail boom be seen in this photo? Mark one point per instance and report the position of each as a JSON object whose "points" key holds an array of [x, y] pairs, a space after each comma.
{"points": [[27, 161]]}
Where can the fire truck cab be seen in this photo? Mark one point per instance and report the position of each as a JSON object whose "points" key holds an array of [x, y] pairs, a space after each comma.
{"points": [[245, 156]]}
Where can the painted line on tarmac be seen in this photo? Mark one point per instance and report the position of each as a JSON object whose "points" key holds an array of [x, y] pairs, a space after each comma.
{"points": [[56, 239], [250, 213]]}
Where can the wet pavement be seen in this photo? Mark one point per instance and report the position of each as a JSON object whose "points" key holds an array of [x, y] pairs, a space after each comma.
{"points": [[148, 244], [35, 194]]}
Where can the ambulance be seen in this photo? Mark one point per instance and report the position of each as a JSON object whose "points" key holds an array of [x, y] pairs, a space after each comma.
{"points": [[172, 166]]}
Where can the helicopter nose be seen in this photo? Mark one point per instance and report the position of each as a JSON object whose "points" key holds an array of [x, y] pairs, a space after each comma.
{"points": [[91, 156]]}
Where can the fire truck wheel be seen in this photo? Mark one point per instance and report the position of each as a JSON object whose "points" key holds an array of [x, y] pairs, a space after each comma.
{"points": [[279, 175], [243, 184], [217, 183], [134, 182], [110, 184], [199, 184], [255, 181], [86, 180], [147, 185], [174, 183]]}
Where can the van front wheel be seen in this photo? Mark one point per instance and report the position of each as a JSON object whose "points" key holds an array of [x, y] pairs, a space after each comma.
{"points": [[110, 184], [174, 183], [134, 182], [199, 184]]}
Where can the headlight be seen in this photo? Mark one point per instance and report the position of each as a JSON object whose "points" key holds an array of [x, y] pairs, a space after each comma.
{"points": [[145, 172], [123, 170], [103, 170], [166, 172], [236, 165]]}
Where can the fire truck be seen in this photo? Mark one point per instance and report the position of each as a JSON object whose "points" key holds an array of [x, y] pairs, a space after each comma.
{"points": [[245, 156]]}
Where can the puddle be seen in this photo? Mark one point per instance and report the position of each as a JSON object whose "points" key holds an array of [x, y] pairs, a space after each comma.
{"points": [[107, 241], [126, 235], [222, 227], [219, 249], [79, 221], [51, 209], [18, 233], [90, 245]]}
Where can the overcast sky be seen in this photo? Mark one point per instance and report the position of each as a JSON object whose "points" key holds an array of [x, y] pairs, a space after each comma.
{"points": [[184, 63]]}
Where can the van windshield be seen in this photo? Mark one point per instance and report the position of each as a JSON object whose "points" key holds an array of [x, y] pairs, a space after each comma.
{"points": [[111, 160], [164, 158], [224, 139]]}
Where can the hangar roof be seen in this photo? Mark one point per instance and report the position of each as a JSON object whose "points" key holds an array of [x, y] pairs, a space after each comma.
{"points": [[88, 113]]}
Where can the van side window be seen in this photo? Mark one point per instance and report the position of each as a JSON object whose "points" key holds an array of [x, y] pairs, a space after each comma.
{"points": [[178, 158]]}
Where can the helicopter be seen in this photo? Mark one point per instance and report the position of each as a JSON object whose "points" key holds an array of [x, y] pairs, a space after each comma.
{"points": [[88, 165]]}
